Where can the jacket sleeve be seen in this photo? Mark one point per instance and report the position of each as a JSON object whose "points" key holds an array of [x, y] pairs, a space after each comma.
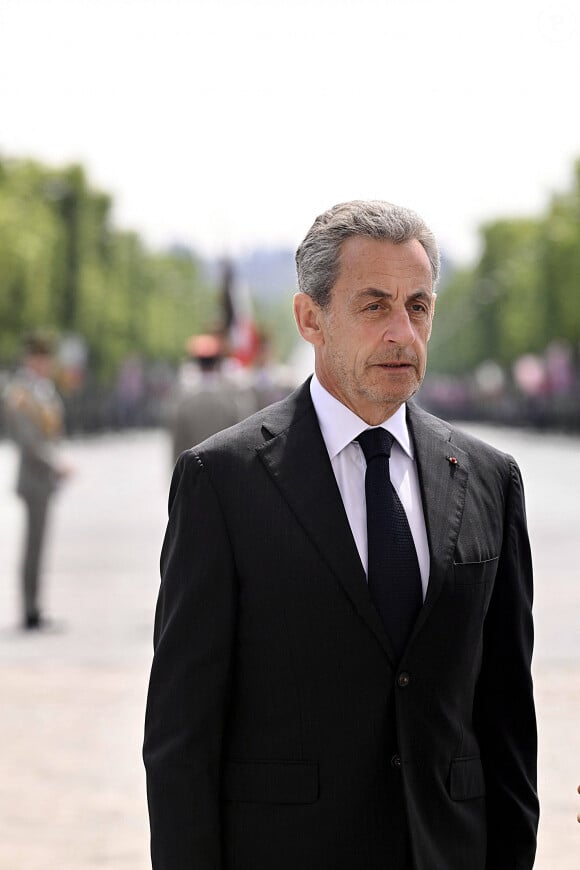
{"points": [[504, 707], [190, 676]]}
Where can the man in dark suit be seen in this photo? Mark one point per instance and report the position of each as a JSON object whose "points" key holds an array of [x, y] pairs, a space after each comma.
{"points": [[320, 699]]}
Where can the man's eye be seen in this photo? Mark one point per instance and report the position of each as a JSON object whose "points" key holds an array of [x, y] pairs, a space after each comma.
{"points": [[374, 306]]}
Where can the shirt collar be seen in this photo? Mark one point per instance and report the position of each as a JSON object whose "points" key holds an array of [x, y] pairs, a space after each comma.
{"points": [[339, 425]]}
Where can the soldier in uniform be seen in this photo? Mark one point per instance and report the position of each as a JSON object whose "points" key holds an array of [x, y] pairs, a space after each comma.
{"points": [[34, 418], [207, 400]]}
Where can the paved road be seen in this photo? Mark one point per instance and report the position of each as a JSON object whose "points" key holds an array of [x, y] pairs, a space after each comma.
{"points": [[71, 780]]}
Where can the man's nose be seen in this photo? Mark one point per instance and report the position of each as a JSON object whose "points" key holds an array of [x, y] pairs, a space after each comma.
{"points": [[399, 328]]}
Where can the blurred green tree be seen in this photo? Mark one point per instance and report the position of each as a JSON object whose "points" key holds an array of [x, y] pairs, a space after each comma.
{"points": [[560, 264], [64, 266], [520, 296]]}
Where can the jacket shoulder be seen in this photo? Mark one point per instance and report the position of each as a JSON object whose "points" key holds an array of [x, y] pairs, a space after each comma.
{"points": [[479, 451]]}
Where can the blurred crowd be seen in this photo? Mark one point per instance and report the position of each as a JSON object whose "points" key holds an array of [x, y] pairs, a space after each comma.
{"points": [[540, 390], [146, 394]]}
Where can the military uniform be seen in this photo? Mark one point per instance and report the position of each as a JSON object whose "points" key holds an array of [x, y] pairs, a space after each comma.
{"points": [[207, 403], [34, 417]]}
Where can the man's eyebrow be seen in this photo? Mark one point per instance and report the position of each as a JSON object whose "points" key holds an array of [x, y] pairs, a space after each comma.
{"points": [[422, 294], [375, 293]]}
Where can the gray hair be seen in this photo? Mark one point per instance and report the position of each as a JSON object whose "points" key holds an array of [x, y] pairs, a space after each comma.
{"points": [[318, 256]]}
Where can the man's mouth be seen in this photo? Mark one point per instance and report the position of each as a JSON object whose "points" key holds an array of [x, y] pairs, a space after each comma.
{"points": [[395, 365]]}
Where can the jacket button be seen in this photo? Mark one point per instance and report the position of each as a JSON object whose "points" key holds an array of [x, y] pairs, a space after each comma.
{"points": [[403, 680], [396, 762]]}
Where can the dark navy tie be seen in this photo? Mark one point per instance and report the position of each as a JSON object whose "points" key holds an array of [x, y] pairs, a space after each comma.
{"points": [[393, 570]]}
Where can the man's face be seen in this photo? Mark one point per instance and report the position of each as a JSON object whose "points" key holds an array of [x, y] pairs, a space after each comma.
{"points": [[371, 340]]}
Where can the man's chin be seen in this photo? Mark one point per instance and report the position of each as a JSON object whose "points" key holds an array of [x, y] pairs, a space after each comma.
{"points": [[383, 405], [395, 393]]}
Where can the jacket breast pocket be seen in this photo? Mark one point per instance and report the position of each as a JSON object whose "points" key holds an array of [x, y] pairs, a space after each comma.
{"points": [[466, 779], [276, 782], [470, 573]]}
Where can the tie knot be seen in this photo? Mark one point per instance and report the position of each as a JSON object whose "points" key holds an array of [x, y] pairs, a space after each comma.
{"points": [[375, 442]]}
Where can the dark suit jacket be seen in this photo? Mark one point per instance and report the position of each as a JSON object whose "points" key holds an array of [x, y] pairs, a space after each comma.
{"points": [[281, 733]]}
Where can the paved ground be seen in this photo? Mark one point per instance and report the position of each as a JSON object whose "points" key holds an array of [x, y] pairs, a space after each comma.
{"points": [[71, 780]]}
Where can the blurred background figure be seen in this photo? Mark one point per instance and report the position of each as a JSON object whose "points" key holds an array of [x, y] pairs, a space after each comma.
{"points": [[269, 381], [34, 419], [206, 399], [129, 393]]}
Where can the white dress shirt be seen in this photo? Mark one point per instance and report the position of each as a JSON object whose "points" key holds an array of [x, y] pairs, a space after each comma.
{"points": [[339, 427]]}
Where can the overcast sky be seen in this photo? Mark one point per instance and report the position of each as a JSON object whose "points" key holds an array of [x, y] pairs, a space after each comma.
{"points": [[229, 124]]}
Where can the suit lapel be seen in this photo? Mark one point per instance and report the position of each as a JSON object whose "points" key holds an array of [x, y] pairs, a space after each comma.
{"points": [[443, 485], [296, 457]]}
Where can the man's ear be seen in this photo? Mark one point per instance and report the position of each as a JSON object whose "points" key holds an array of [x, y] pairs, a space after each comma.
{"points": [[308, 316]]}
